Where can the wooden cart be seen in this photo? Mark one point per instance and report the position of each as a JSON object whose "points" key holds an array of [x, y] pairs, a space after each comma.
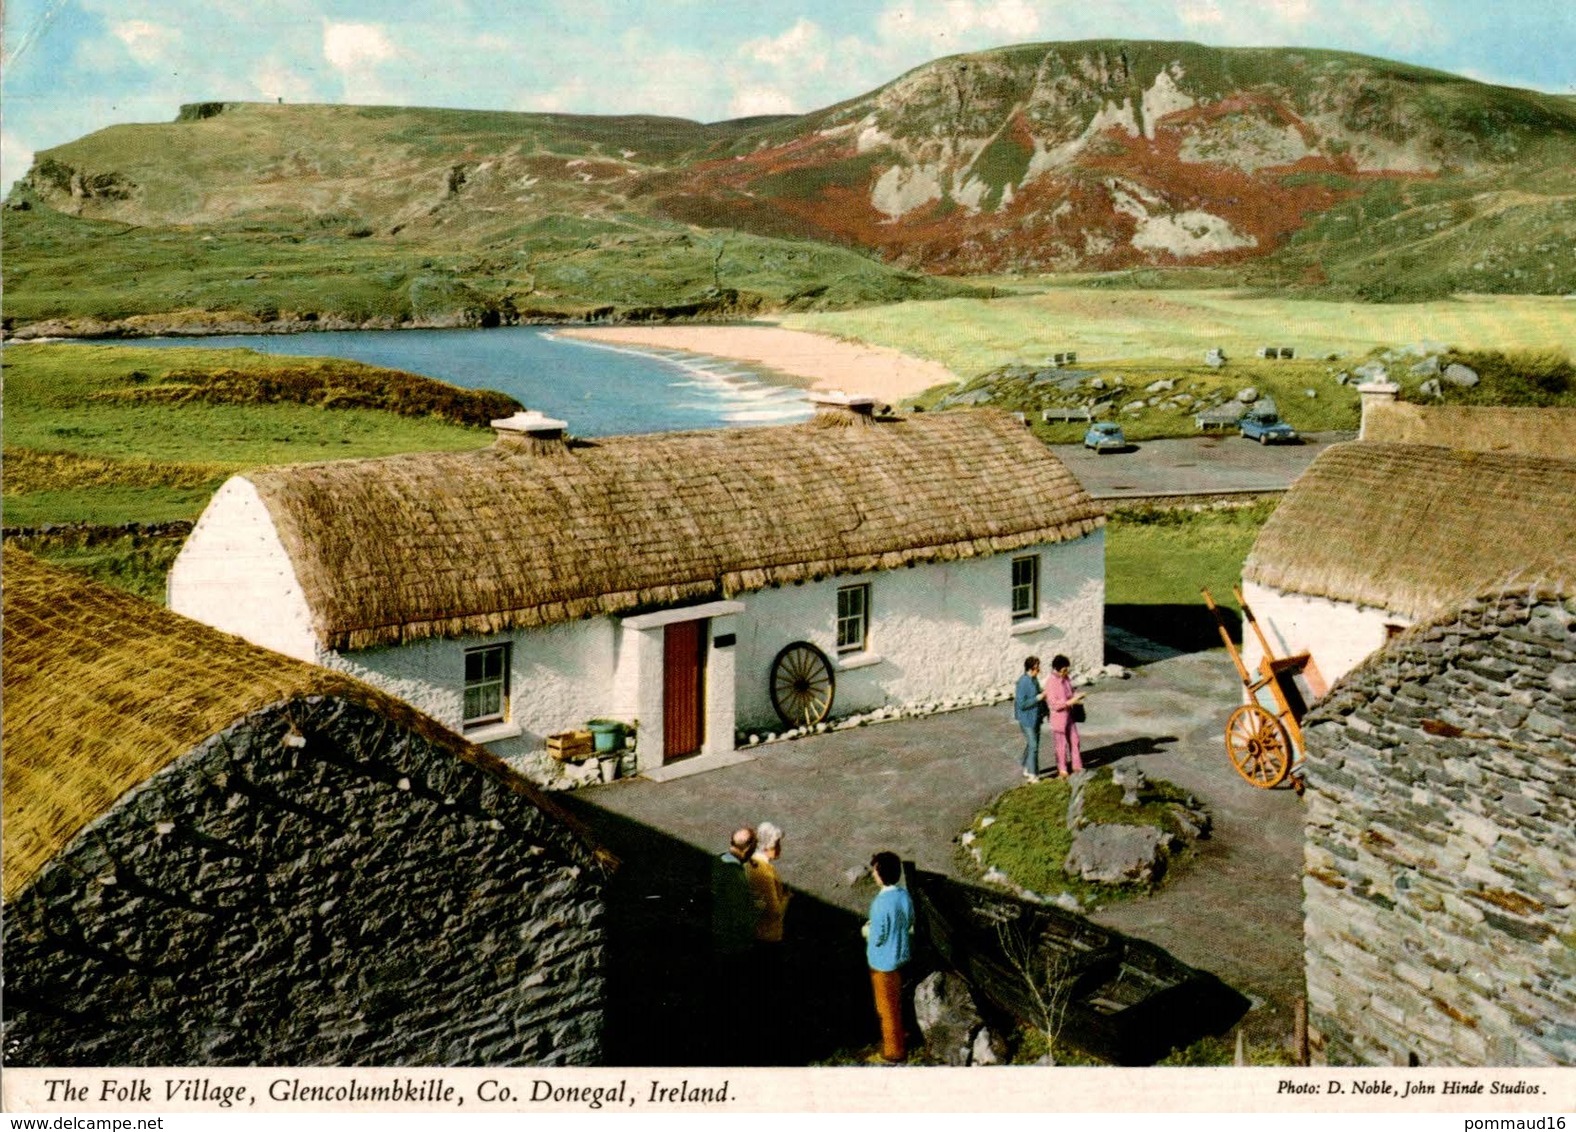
{"points": [[1264, 735]]}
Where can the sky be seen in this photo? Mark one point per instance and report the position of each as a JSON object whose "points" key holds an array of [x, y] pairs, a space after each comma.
{"points": [[70, 67]]}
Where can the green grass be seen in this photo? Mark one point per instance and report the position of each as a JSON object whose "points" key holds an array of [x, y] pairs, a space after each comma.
{"points": [[1162, 556], [137, 563], [84, 452], [1024, 832], [1157, 560], [973, 336], [1335, 406]]}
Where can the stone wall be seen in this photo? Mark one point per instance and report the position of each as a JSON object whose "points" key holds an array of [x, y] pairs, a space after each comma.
{"points": [[1440, 859], [367, 899]]}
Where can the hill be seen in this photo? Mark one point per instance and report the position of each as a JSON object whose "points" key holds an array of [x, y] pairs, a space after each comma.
{"points": [[1329, 173]]}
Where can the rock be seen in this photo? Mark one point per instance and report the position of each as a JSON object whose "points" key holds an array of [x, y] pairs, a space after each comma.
{"points": [[1113, 671], [1067, 902], [1127, 774], [1342, 378], [948, 1020], [1215, 357], [1459, 375], [1117, 854], [1164, 385], [1096, 383], [1371, 371], [1310, 393], [1248, 396], [1431, 388], [1428, 367], [988, 1049], [1135, 406]]}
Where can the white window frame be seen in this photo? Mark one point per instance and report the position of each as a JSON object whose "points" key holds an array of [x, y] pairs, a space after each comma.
{"points": [[848, 622], [1031, 588], [483, 683]]}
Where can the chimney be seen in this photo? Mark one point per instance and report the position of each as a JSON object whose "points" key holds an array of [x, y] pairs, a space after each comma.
{"points": [[1375, 396], [531, 431], [834, 407]]}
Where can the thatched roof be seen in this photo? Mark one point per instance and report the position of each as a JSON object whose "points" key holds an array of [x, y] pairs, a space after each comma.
{"points": [[1520, 431], [1416, 529], [103, 690], [525, 534]]}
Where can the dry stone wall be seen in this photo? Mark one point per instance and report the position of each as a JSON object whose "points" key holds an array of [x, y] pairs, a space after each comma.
{"points": [[1440, 861], [366, 899]]}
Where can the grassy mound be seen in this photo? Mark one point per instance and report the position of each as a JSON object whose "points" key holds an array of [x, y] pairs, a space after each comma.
{"points": [[1024, 833]]}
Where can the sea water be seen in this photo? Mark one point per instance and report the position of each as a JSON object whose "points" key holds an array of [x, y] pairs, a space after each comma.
{"points": [[598, 388]]}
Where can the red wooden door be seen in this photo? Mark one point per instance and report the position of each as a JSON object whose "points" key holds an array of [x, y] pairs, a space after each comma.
{"points": [[683, 688]]}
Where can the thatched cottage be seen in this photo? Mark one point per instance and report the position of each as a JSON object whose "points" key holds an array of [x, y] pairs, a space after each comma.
{"points": [[217, 855], [693, 582], [1439, 859], [1376, 537]]}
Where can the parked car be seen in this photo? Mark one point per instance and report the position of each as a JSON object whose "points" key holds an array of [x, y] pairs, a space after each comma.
{"points": [[1267, 429], [1105, 436]]}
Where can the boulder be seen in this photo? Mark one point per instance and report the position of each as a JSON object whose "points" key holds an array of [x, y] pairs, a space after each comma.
{"points": [[989, 1048], [1370, 371], [1459, 375], [1164, 385], [1431, 388], [1342, 378], [948, 1019], [1248, 396], [1428, 367], [1117, 854], [1310, 393]]}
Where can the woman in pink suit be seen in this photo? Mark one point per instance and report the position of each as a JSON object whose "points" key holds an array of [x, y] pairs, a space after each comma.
{"points": [[1061, 699]]}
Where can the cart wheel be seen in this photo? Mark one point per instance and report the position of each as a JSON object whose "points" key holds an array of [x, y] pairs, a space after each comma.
{"points": [[1258, 746], [801, 685]]}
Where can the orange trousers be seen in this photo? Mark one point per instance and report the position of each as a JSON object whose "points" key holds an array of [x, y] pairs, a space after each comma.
{"points": [[888, 987]]}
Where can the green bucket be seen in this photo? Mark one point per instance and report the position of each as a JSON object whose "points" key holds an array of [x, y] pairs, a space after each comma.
{"points": [[606, 734]]}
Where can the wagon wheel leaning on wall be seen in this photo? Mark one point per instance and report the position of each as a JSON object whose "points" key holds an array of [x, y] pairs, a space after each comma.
{"points": [[801, 684], [1258, 745]]}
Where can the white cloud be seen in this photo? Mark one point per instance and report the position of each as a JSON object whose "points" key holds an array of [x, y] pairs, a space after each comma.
{"points": [[355, 47], [801, 46], [953, 25], [751, 101], [149, 43], [1200, 13], [15, 160]]}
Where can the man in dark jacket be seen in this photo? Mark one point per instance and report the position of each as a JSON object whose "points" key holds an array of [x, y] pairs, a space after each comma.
{"points": [[1028, 706]]}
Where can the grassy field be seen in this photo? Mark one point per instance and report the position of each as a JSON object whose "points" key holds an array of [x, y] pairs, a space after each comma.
{"points": [[1156, 561], [972, 336], [85, 443]]}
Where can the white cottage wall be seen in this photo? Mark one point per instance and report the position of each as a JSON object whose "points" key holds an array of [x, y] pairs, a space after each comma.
{"points": [[560, 676], [233, 573], [1338, 635], [936, 631]]}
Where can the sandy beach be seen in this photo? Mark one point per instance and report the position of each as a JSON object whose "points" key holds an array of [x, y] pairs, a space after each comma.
{"points": [[826, 363]]}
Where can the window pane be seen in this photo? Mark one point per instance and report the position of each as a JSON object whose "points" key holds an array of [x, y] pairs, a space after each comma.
{"points": [[852, 617], [486, 684]]}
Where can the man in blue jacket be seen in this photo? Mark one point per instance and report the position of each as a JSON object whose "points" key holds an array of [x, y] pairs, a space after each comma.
{"points": [[1029, 706], [887, 949]]}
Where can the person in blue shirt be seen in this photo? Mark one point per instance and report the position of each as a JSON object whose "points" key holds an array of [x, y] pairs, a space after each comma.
{"points": [[1028, 705], [887, 949]]}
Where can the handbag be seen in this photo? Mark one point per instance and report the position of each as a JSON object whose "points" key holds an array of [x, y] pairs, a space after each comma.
{"points": [[1076, 713]]}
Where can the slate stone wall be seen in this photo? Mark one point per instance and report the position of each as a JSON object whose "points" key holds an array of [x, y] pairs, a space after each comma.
{"points": [[368, 899], [1438, 900]]}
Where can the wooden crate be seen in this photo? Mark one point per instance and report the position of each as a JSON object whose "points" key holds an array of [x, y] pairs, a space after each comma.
{"points": [[569, 746]]}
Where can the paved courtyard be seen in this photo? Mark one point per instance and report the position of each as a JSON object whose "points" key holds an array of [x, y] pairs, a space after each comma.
{"points": [[914, 785]]}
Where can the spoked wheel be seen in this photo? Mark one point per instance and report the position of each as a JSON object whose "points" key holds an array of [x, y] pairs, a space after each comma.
{"points": [[801, 684], [1258, 745]]}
